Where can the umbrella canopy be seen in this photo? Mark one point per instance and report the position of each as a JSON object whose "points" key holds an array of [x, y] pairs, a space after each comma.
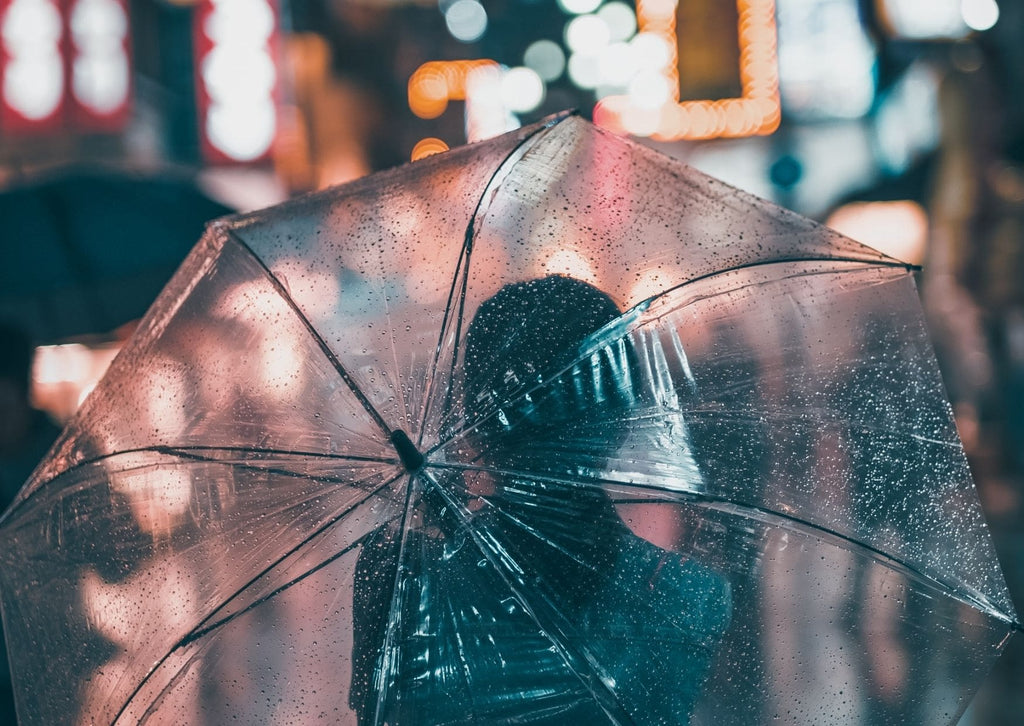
{"points": [[87, 250], [543, 429]]}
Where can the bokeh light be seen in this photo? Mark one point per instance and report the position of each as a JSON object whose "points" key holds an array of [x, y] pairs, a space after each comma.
{"points": [[620, 18], [652, 50], [100, 74], [546, 58], [435, 83], [585, 70], [466, 20], [522, 90], [586, 34], [652, 106], [428, 147], [980, 15], [898, 228], [243, 132], [579, 7], [239, 75], [33, 82], [649, 91], [617, 65]]}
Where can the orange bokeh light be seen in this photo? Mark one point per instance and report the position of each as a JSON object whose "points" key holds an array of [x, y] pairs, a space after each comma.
{"points": [[427, 147], [755, 112], [432, 86], [435, 83]]}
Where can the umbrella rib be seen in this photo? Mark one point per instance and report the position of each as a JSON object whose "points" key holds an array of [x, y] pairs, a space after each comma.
{"points": [[200, 630], [295, 548], [975, 600], [462, 267], [393, 608], [364, 401], [644, 303], [464, 276], [195, 453], [607, 704], [197, 634], [184, 452], [244, 466]]}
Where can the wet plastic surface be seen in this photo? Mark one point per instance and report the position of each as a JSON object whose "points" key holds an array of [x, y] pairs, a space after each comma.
{"points": [[327, 481]]}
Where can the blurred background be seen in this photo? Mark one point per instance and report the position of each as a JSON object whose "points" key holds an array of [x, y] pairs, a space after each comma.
{"points": [[125, 125]]}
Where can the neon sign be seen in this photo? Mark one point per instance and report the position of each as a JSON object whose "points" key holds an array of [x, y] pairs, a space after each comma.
{"points": [[756, 111]]}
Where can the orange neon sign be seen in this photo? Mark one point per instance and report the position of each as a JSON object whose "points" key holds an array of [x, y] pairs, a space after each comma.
{"points": [[755, 112]]}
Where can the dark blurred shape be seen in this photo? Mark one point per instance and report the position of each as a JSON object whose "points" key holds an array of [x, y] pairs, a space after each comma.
{"points": [[25, 432], [86, 250], [25, 436], [785, 172]]}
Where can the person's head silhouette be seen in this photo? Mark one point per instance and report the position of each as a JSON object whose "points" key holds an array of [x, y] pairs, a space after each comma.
{"points": [[536, 330], [546, 403]]}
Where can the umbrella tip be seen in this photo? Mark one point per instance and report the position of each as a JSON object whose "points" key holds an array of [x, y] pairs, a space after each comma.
{"points": [[411, 457]]}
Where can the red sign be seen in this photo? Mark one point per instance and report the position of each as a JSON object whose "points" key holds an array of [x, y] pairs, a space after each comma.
{"points": [[32, 68], [64, 65], [238, 78], [99, 64]]}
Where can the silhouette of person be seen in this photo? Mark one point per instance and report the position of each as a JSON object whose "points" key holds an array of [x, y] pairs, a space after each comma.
{"points": [[524, 598]]}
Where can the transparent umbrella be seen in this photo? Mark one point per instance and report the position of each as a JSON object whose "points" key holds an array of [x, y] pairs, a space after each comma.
{"points": [[545, 429]]}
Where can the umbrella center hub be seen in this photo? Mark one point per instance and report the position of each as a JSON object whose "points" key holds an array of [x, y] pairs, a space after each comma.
{"points": [[411, 457]]}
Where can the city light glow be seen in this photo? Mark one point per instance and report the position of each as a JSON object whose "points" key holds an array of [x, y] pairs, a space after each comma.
{"points": [[239, 76], [100, 72], [756, 111], [898, 229], [33, 84], [921, 19], [585, 70], [571, 262], [587, 34], [620, 19], [428, 147], [979, 15], [522, 90], [579, 7], [546, 58], [435, 83], [466, 20]]}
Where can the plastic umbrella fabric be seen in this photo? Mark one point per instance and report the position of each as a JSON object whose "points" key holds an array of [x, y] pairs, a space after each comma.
{"points": [[545, 429]]}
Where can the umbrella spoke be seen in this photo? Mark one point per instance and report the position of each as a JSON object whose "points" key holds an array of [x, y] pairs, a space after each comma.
{"points": [[389, 661], [317, 532], [544, 615], [633, 493], [211, 622], [205, 454], [455, 306], [315, 335]]}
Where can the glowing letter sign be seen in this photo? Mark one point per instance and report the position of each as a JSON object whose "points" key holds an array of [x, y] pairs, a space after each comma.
{"points": [[31, 65], [237, 78], [100, 68], [756, 111]]}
